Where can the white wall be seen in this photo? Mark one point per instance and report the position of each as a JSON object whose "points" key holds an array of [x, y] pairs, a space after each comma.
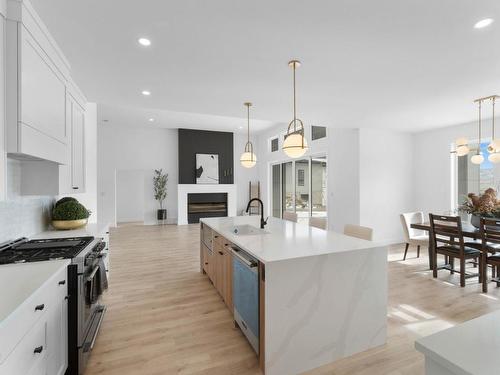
{"points": [[130, 196], [432, 165], [386, 181], [145, 149]]}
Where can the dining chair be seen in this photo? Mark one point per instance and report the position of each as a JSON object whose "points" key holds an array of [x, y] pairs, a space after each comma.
{"points": [[358, 231], [318, 222], [290, 216], [412, 236], [489, 229], [448, 240]]}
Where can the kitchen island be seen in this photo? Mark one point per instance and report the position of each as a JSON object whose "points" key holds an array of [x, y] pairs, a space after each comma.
{"points": [[468, 348], [322, 295]]}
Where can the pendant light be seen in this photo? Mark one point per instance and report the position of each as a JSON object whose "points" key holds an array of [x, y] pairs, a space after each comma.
{"points": [[295, 144], [494, 146], [478, 158], [248, 158]]}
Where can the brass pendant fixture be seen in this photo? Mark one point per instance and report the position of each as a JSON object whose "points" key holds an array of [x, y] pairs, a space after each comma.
{"points": [[462, 145], [494, 146], [295, 144], [248, 158]]}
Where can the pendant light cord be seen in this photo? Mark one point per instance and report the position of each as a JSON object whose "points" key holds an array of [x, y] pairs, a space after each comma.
{"points": [[479, 146], [248, 123], [493, 118], [294, 100]]}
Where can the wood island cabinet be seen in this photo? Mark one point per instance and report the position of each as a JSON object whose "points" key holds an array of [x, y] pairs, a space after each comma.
{"points": [[217, 264]]}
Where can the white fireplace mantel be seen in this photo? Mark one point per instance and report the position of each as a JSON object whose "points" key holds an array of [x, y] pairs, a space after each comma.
{"points": [[184, 189]]}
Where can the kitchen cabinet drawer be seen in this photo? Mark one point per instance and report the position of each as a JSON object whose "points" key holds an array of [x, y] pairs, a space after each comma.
{"points": [[31, 312], [29, 355]]}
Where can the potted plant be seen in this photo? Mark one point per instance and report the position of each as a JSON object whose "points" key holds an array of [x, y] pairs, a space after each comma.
{"points": [[483, 205], [160, 192], [68, 213]]}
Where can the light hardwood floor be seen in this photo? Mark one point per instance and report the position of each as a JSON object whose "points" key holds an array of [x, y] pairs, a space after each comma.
{"points": [[164, 317]]}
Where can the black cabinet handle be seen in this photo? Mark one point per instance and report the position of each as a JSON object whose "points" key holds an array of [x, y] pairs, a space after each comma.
{"points": [[39, 307], [221, 253], [62, 282], [38, 350], [226, 244], [206, 263], [216, 236]]}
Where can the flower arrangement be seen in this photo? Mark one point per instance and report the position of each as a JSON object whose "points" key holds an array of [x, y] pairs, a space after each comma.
{"points": [[485, 204]]}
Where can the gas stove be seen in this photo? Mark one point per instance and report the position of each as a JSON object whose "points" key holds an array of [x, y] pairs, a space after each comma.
{"points": [[22, 250], [86, 273]]}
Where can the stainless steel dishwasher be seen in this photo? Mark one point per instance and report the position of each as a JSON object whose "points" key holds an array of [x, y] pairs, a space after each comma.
{"points": [[246, 295]]}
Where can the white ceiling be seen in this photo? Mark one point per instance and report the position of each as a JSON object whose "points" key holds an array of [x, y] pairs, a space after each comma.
{"points": [[400, 64]]}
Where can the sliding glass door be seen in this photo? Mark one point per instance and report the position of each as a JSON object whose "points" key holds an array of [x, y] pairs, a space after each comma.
{"points": [[318, 187], [300, 186]]}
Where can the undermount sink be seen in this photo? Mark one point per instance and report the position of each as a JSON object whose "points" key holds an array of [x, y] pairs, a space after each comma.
{"points": [[247, 230]]}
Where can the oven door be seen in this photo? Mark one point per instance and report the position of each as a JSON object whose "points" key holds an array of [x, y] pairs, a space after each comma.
{"points": [[89, 341], [90, 296]]}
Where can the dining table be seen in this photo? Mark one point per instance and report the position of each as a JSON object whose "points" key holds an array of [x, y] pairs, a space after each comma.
{"points": [[468, 231]]}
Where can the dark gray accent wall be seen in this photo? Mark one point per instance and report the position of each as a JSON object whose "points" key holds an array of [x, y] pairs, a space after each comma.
{"points": [[192, 142]]}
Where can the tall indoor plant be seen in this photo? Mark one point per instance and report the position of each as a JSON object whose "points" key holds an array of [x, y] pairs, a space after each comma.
{"points": [[160, 192]]}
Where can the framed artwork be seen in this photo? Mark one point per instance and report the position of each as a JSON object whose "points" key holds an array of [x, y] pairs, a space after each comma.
{"points": [[207, 168]]}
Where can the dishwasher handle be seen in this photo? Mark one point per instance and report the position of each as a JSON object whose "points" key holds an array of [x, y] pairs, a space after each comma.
{"points": [[245, 261]]}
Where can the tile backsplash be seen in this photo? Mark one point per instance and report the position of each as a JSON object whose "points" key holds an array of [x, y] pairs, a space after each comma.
{"points": [[22, 215]]}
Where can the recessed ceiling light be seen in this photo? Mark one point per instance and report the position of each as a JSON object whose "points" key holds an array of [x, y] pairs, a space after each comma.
{"points": [[483, 23], [151, 119], [146, 92], [144, 42]]}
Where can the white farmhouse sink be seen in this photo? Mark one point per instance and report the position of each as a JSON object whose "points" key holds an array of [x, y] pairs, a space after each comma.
{"points": [[247, 230]]}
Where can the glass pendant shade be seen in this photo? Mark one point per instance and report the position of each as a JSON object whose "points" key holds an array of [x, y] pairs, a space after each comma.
{"points": [[494, 146], [248, 159], [461, 145], [477, 159], [494, 158], [462, 150], [295, 145]]}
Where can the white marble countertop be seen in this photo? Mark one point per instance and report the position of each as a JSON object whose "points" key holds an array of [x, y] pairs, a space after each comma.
{"points": [[472, 347], [19, 281], [91, 229], [285, 239]]}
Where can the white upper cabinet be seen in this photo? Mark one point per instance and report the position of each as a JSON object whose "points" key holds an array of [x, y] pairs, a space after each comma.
{"points": [[38, 80], [42, 91], [3, 159], [45, 116]]}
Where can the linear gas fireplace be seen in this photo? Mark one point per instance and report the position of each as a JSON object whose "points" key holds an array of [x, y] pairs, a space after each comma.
{"points": [[202, 205]]}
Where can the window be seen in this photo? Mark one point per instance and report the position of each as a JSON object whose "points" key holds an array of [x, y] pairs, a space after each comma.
{"points": [[274, 144], [300, 177], [318, 132], [300, 186]]}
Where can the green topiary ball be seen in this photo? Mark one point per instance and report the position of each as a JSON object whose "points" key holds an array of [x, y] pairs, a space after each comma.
{"points": [[65, 199], [70, 210]]}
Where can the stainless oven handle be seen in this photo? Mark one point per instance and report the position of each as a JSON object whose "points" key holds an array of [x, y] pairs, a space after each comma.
{"points": [[98, 327], [92, 274]]}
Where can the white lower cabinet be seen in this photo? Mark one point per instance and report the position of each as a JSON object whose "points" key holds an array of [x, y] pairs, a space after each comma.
{"points": [[57, 338], [43, 345]]}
